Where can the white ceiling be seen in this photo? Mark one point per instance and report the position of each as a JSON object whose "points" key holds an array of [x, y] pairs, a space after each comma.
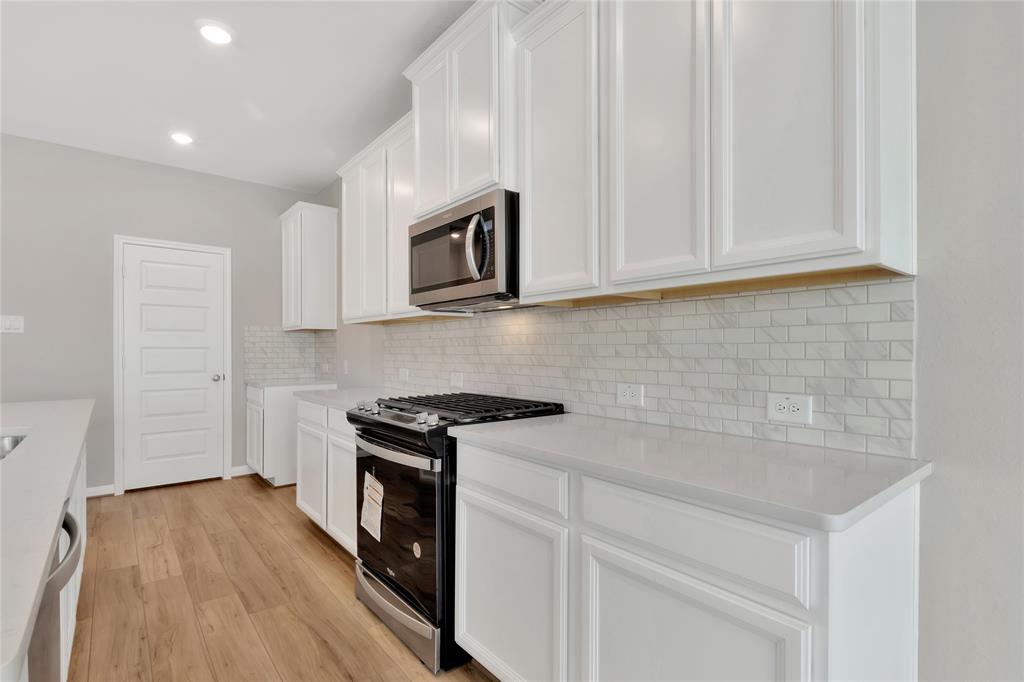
{"points": [[303, 86]]}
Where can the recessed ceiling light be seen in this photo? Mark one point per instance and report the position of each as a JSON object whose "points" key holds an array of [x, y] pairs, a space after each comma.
{"points": [[181, 138], [216, 32]]}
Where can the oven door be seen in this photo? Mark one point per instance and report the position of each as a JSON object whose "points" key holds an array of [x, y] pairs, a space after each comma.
{"points": [[402, 549], [460, 254]]}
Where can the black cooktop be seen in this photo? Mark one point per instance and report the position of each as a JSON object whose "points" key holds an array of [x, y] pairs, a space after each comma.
{"points": [[461, 408]]}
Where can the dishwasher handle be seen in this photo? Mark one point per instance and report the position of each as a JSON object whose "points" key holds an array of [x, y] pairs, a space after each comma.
{"points": [[66, 568]]}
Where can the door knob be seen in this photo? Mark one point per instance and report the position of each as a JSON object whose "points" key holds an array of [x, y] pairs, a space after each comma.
{"points": [[216, 377]]}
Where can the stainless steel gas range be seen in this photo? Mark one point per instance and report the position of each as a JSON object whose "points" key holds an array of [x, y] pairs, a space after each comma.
{"points": [[405, 482]]}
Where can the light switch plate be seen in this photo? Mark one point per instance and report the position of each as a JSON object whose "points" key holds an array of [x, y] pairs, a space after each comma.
{"points": [[789, 407], [12, 324]]}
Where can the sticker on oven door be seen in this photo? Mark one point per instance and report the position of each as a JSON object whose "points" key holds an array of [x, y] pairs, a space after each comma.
{"points": [[373, 502]]}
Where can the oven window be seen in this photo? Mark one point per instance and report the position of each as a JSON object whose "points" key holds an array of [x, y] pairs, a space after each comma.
{"points": [[437, 258]]}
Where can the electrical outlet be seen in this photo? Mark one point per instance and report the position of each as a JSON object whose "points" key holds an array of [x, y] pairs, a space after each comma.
{"points": [[344, 366], [787, 407], [456, 380], [630, 395], [403, 374]]}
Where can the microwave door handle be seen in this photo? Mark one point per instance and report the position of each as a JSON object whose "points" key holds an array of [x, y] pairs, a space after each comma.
{"points": [[470, 258]]}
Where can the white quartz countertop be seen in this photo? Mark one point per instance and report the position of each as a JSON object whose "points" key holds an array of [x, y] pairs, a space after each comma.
{"points": [[272, 383], [35, 481], [344, 398], [813, 487]]}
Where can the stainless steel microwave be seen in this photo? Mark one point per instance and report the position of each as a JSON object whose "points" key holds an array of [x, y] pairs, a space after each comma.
{"points": [[467, 258]]}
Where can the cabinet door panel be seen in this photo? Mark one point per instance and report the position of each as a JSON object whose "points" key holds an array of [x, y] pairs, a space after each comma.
{"points": [[643, 621], [351, 247], [788, 130], [430, 115], [254, 437], [510, 589], [374, 231], [401, 181], [658, 221], [310, 486], [474, 67], [341, 492], [291, 272], [558, 209]]}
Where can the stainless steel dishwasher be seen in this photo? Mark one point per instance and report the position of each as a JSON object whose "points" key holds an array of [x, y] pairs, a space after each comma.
{"points": [[44, 649]]}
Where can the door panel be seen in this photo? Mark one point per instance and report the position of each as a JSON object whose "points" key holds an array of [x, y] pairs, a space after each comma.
{"points": [[173, 343], [658, 216], [341, 492], [401, 183], [788, 130], [311, 474], [511, 572], [291, 271], [352, 269], [474, 66], [558, 203], [374, 229], [430, 115], [254, 438], [644, 621]]}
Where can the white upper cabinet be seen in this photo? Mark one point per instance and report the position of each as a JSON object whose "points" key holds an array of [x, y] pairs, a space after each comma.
{"points": [[309, 267], [474, 101], [400, 188], [559, 220], [364, 235], [463, 114], [654, 108], [811, 122], [431, 133]]}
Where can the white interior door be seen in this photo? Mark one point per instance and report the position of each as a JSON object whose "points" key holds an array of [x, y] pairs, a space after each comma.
{"points": [[174, 360]]}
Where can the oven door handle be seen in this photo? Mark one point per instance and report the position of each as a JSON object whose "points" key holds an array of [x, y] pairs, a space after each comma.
{"points": [[403, 458]]}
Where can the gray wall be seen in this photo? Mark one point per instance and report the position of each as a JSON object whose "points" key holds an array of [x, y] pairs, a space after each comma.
{"points": [[970, 354], [360, 345], [61, 207]]}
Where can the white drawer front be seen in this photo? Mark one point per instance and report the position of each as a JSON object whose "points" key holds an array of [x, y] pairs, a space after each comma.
{"points": [[254, 395], [312, 413], [762, 555], [337, 421], [538, 486]]}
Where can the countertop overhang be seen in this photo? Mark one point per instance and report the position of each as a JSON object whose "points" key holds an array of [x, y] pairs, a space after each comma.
{"points": [[814, 487], [342, 398], [35, 481]]}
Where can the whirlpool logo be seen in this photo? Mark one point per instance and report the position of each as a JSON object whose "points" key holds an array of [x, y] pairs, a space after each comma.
{"points": [[390, 572]]}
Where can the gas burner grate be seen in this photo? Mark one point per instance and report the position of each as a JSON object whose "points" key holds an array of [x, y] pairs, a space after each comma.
{"points": [[463, 407]]}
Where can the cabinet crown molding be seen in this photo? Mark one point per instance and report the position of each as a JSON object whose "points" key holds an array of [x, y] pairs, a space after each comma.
{"points": [[305, 205]]}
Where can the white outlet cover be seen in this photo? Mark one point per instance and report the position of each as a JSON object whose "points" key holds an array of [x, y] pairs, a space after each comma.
{"points": [[403, 374], [456, 379], [629, 395], [791, 408], [12, 324]]}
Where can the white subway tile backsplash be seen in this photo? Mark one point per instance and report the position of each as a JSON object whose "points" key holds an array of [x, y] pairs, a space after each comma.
{"points": [[270, 353], [706, 363]]}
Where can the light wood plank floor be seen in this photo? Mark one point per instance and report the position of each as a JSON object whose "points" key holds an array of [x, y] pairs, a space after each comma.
{"points": [[226, 580]]}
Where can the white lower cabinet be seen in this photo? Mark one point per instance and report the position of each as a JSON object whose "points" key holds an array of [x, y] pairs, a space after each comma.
{"points": [[511, 573], [341, 491], [71, 591], [643, 621], [563, 576], [254, 437], [311, 485], [326, 486]]}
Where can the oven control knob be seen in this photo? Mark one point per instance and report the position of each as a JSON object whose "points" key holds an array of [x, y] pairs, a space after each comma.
{"points": [[421, 417], [361, 405], [432, 420], [374, 408]]}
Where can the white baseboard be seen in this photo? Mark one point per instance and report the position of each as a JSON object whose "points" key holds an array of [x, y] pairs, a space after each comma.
{"points": [[100, 490], [242, 470]]}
